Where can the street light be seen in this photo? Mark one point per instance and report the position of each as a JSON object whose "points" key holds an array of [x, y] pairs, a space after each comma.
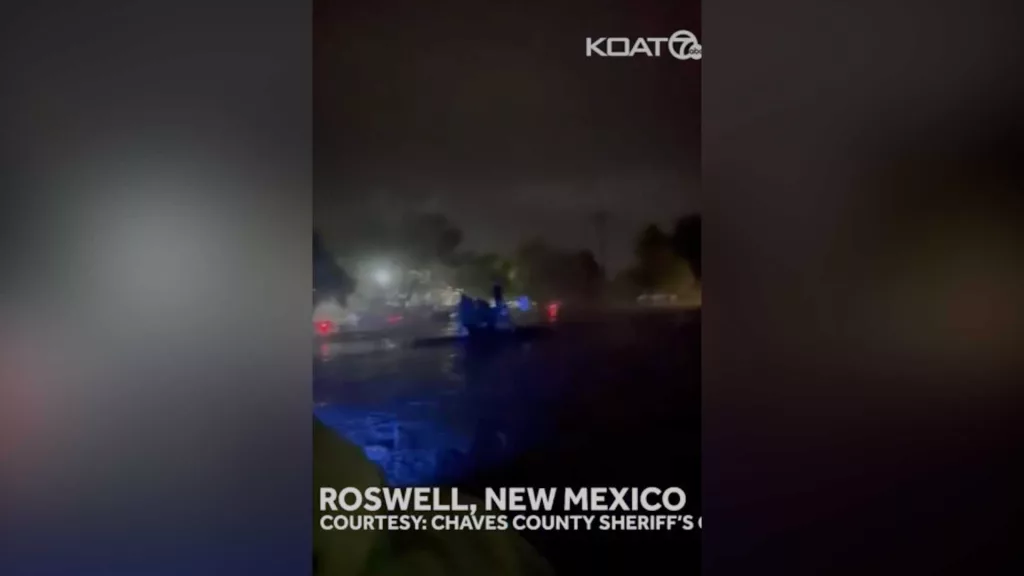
{"points": [[382, 277]]}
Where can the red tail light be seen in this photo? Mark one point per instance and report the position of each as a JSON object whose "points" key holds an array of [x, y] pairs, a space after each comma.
{"points": [[324, 327], [395, 319]]}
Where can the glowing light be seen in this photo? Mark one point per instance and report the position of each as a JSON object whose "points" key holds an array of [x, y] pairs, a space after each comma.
{"points": [[382, 277]]}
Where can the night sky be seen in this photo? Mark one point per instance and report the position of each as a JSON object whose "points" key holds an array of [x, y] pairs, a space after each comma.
{"points": [[494, 116]]}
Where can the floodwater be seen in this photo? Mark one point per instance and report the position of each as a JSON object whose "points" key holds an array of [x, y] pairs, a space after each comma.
{"points": [[428, 415], [454, 412], [611, 401]]}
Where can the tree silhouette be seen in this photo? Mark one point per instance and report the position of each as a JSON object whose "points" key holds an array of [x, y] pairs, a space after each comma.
{"points": [[686, 241], [329, 279], [658, 267], [545, 272]]}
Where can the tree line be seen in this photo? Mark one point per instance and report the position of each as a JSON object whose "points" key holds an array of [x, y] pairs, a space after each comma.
{"points": [[664, 261]]}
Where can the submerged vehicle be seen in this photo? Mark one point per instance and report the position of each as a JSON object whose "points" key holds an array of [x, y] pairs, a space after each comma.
{"points": [[478, 316]]}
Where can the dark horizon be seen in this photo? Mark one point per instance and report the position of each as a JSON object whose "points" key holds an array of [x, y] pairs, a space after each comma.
{"points": [[495, 117]]}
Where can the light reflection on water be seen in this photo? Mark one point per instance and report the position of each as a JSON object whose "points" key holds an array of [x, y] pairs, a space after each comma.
{"points": [[408, 450], [413, 411], [328, 351]]}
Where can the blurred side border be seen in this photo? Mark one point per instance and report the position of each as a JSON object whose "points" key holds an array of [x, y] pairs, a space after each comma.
{"points": [[862, 320], [156, 191]]}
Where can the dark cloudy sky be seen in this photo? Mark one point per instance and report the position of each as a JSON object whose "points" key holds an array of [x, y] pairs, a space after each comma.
{"points": [[490, 113]]}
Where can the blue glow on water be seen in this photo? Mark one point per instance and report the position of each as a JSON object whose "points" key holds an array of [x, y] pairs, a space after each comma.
{"points": [[435, 415], [408, 451]]}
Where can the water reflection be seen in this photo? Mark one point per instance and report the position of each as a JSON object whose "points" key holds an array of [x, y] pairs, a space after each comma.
{"points": [[328, 351], [409, 450], [424, 416]]}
